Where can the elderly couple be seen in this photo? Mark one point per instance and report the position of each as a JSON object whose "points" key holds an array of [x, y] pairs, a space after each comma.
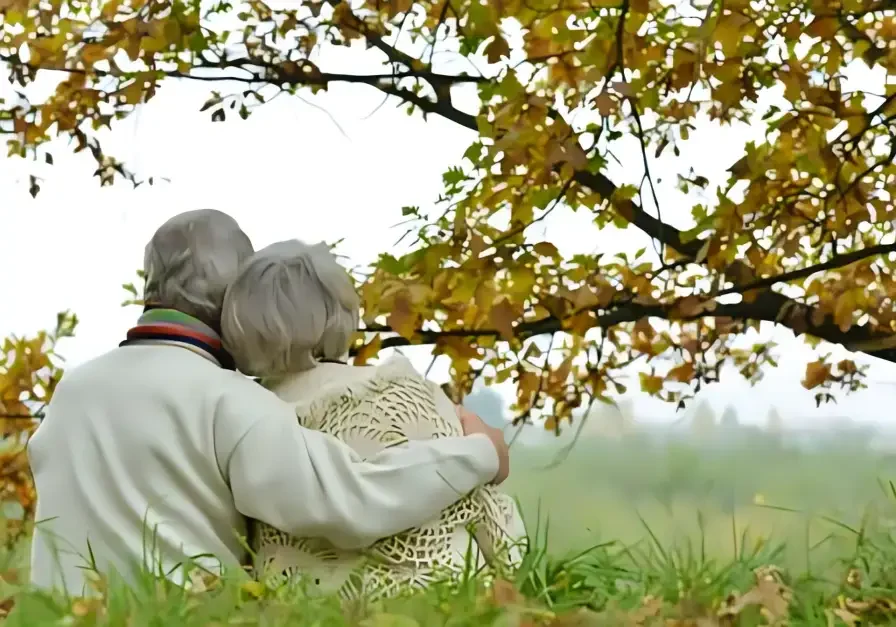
{"points": [[160, 454]]}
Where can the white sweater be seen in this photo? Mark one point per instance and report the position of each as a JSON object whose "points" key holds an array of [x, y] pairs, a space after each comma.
{"points": [[153, 453]]}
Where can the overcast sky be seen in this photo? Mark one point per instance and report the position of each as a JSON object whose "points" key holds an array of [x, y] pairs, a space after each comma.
{"points": [[325, 169]]}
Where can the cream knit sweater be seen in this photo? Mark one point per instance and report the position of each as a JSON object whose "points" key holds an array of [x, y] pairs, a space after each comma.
{"points": [[373, 409]]}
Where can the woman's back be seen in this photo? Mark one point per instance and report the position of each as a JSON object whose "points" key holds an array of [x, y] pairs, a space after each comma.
{"points": [[372, 409]]}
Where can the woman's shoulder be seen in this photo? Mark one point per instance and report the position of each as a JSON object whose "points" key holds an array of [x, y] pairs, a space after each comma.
{"points": [[396, 365], [330, 382], [376, 379]]}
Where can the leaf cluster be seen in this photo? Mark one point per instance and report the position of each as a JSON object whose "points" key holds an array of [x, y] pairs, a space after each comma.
{"points": [[800, 234]]}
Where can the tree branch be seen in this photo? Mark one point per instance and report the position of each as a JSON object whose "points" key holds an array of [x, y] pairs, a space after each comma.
{"points": [[768, 306], [306, 74], [840, 261]]}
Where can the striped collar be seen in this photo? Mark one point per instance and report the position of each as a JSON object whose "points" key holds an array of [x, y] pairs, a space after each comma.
{"points": [[173, 328]]}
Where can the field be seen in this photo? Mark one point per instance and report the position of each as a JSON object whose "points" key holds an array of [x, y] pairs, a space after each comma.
{"points": [[624, 490], [628, 532]]}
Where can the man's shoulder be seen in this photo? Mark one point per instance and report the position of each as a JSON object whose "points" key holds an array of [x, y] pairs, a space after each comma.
{"points": [[168, 367], [85, 373], [239, 395]]}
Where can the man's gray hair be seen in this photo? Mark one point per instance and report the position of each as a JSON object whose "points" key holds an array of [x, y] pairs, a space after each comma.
{"points": [[291, 306], [190, 261]]}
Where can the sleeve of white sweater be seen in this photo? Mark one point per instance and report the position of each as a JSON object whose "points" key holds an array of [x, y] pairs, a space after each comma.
{"points": [[310, 484]]}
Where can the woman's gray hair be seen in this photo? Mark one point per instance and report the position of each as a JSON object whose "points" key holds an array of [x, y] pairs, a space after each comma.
{"points": [[291, 306], [190, 261]]}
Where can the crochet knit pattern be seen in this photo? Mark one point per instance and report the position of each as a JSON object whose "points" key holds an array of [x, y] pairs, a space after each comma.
{"points": [[388, 409]]}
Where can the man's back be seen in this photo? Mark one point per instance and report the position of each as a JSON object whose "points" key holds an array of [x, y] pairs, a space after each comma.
{"points": [[127, 458]]}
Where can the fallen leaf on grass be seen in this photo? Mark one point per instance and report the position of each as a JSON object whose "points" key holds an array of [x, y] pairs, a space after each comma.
{"points": [[505, 594], [648, 613], [11, 575], [845, 615], [520, 614], [6, 606], [87, 606], [203, 581], [650, 608], [769, 593], [867, 611]]}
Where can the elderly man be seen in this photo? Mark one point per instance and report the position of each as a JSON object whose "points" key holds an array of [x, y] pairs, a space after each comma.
{"points": [[153, 454]]}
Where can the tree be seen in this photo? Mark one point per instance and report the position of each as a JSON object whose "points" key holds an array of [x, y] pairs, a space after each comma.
{"points": [[729, 420], [703, 421], [799, 235], [774, 424], [29, 372]]}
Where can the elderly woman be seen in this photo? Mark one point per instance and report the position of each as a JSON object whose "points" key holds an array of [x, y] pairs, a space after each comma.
{"points": [[289, 318]]}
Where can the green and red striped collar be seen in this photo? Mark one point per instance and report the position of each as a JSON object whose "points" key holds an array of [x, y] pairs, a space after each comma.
{"points": [[170, 327]]}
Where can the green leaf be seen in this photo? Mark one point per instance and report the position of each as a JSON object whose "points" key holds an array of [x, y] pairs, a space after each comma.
{"points": [[391, 264]]}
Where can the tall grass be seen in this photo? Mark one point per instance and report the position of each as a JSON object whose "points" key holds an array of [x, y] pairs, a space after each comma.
{"points": [[623, 533]]}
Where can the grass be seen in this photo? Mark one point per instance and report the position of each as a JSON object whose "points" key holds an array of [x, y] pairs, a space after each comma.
{"points": [[624, 534]]}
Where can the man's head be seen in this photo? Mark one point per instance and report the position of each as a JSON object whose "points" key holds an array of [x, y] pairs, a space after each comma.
{"points": [[291, 306], [190, 261]]}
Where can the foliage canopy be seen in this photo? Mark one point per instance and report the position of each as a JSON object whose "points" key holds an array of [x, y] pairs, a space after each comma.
{"points": [[801, 234]]}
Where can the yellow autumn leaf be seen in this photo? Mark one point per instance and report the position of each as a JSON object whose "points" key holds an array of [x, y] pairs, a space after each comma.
{"points": [[502, 315], [651, 384], [546, 249], [843, 310], [605, 104], [367, 351], [401, 318], [93, 53], [683, 373], [817, 373], [497, 48]]}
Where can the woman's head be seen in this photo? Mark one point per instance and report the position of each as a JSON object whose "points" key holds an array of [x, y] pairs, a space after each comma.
{"points": [[290, 306]]}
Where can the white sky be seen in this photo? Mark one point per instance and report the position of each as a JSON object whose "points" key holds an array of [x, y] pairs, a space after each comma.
{"points": [[291, 172]]}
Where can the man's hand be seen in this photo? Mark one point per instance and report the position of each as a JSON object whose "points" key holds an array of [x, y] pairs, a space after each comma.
{"points": [[471, 424]]}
